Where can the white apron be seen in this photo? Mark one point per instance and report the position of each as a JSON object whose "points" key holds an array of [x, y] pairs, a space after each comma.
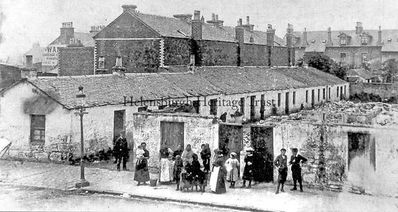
{"points": [[213, 178]]}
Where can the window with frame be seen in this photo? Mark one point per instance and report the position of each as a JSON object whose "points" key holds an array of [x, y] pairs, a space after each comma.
{"points": [[213, 107], [38, 129], [343, 56], [101, 62], [364, 40], [343, 41], [364, 57]]}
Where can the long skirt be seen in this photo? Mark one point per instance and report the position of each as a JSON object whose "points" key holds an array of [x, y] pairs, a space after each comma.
{"points": [[217, 181], [141, 175], [282, 175], [166, 170]]}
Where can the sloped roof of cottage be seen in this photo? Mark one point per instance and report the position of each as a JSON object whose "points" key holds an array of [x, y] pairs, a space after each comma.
{"points": [[205, 81], [360, 73], [390, 46]]}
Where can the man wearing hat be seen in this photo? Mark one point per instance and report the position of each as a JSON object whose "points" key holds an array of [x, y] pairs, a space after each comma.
{"points": [[249, 167], [121, 150], [281, 163], [295, 161]]}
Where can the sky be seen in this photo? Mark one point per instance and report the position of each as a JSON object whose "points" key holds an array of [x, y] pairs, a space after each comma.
{"points": [[24, 22]]}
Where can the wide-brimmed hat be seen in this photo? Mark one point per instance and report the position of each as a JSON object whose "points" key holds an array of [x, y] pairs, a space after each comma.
{"points": [[249, 149], [283, 149]]}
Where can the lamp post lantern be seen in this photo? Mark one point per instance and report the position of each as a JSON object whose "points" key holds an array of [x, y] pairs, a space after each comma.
{"points": [[83, 182]]}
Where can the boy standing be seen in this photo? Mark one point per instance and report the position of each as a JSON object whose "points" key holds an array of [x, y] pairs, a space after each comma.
{"points": [[281, 163], [295, 161]]}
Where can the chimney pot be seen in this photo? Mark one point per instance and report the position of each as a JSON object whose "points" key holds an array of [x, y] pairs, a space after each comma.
{"points": [[196, 15], [129, 7], [240, 23]]}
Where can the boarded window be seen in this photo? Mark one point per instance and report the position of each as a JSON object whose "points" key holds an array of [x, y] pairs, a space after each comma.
{"points": [[37, 126], [213, 107]]}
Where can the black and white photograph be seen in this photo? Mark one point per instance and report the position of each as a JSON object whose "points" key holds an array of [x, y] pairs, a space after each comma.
{"points": [[193, 106]]}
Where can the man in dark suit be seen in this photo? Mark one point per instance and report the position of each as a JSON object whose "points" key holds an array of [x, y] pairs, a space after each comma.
{"points": [[281, 163], [295, 161], [122, 151]]}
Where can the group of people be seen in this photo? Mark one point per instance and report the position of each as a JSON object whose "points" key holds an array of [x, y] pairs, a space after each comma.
{"points": [[183, 167]]}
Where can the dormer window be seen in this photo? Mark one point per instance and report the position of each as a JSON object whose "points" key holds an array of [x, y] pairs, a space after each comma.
{"points": [[343, 41], [364, 40]]}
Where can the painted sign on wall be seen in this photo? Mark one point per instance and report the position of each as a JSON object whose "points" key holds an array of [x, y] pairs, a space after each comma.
{"points": [[50, 56]]}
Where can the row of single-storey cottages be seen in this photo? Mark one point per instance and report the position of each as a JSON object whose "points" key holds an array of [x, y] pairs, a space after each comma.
{"points": [[38, 115]]}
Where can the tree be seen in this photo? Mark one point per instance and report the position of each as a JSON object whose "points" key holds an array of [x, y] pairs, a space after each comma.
{"points": [[326, 64], [390, 67], [319, 61]]}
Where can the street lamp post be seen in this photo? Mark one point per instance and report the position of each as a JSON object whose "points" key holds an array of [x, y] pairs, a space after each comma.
{"points": [[83, 182]]}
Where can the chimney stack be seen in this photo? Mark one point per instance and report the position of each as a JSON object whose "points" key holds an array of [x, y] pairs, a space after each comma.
{"points": [[96, 29], [67, 32], [289, 44], [184, 17], [270, 43], [29, 61], [118, 69], [129, 8], [305, 38], [240, 37], [379, 38], [330, 43], [214, 21], [249, 27], [196, 31], [359, 28]]}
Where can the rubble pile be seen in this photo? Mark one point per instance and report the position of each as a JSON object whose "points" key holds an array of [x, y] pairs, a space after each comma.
{"points": [[345, 112]]}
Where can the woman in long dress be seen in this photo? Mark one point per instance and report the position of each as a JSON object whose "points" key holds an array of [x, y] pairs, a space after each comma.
{"points": [[141, 174], [165, 166], [232, 166], [217, 181]]}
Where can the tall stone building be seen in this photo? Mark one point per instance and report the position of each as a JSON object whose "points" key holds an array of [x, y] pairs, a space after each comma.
{"points": [[352, 47], [149, 43]]}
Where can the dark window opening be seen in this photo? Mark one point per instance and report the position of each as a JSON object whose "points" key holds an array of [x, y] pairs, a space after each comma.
{"points": [[319, 95], [324, 93], [306, 96], [279, 99], [38, 128], [242, 105], [361, 147], [294, 97], [196, 106], [213, 107]]}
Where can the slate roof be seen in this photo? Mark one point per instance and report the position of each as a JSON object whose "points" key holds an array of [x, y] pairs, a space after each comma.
{"points": [[390, 46], [319, 36], [110, 89], [170, 27], [86, 39], [360, 73]]}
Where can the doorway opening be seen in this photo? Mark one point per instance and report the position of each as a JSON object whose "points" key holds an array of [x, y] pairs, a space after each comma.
{"points": [[263, 142], [360, 144]]}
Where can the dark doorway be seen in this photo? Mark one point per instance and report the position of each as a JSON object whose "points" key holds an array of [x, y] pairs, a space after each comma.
{"points": [[262, 107], [118, 122], [312, 98], [196, 106], [252, 107], [361, 145], [287, 103], [230, 139], [263, 142], [172, 134], [341, 93]]}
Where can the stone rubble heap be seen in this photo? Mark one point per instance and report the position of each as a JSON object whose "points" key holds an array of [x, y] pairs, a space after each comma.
{"points": [[344, 112]]}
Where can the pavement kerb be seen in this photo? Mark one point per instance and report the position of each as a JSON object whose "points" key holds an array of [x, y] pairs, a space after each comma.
{"points": [[165, 199]]}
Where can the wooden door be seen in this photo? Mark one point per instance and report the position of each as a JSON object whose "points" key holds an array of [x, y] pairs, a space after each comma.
{"points": [[231, 136], [172, 134]]}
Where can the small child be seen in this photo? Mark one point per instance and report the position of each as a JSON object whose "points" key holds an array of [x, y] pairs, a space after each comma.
{"points": [[178, 165], [232, 166]]}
